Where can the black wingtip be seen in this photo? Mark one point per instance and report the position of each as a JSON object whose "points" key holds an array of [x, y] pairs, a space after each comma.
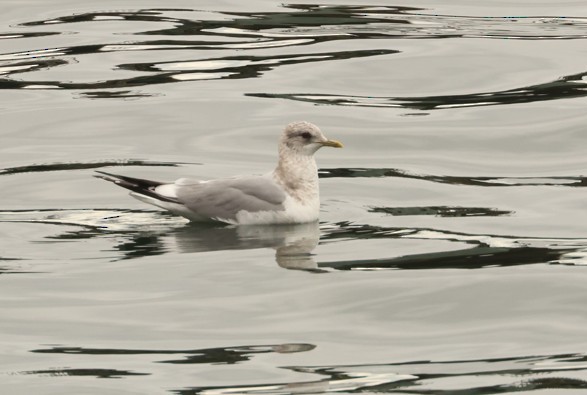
{"points": [[105, 176], [138, 185], [103, 172], [122, 181], [139, 182]]}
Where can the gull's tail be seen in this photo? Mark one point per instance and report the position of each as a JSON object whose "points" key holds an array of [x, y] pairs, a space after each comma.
{"points": [[137, 185]]}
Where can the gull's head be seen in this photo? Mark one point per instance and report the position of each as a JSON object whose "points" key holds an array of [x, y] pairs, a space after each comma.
{"points": [[305, 138]]}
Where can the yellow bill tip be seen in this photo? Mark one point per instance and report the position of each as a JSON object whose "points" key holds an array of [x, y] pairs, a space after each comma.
{"points": [[332, 143]]}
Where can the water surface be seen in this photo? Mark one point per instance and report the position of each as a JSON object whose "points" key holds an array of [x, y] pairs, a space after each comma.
{"points": [[449, 258]]}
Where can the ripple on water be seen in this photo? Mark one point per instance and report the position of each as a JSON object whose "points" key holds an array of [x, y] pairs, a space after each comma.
{"points": [[523, 373], [142, 233], [296, 26], [432, 286]]}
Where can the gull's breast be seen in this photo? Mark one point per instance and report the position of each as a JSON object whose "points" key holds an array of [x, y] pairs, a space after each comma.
{"points": [[293, 212]]}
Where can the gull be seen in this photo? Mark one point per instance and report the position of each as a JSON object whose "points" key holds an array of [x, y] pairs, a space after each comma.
{"points": [[287, 195]]}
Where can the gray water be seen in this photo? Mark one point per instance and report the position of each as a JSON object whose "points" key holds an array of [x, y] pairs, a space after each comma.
{"points": [[450, 253]]}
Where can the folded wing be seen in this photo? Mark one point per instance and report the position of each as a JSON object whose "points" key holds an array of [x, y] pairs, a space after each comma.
{"points": [[223, 199]]}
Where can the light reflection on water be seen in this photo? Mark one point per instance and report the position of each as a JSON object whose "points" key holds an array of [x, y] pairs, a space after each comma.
{"points": [[147, 233], [418, 377], [460, 279]]}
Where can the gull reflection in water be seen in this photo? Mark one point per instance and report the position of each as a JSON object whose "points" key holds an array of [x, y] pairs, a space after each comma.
{"points": [[293, 244]]}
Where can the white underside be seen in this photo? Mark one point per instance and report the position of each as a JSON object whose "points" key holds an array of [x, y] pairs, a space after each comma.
{"points": [[294, 212]]}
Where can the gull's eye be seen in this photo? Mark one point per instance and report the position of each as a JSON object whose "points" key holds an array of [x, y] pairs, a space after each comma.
{"points": [[306, 135]]}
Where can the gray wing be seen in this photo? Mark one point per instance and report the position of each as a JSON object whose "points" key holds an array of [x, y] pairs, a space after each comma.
{"points": [[224, 198]]}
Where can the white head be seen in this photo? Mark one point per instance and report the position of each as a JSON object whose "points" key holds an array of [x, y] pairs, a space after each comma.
{"points": [[305, 138]]}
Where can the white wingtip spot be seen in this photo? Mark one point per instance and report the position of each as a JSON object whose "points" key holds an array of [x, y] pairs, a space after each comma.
{"points": [[167, 190]]}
